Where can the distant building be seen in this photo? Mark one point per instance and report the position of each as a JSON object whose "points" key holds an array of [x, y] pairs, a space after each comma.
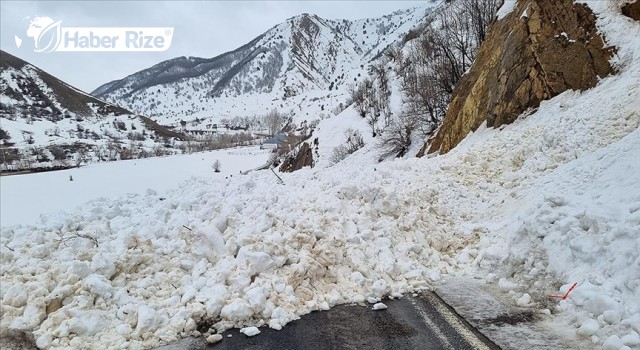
{"points": [[274, 142]]}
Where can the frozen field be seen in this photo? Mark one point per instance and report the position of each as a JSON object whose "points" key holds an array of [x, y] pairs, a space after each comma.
{"points": [[25, 197]]}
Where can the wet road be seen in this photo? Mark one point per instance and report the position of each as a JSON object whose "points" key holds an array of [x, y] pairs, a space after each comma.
{"points": [[413, 322]]}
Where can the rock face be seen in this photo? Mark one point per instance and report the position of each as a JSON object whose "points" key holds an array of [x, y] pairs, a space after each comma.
{"points": [[632, 10], [539, 50], [303, 158]]}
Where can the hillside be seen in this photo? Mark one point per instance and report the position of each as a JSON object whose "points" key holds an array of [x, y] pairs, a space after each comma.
{"points": [[46, 121], [302, 66]]}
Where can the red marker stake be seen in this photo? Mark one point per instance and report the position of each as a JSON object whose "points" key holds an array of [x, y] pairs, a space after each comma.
{"points": [[566, 295]]}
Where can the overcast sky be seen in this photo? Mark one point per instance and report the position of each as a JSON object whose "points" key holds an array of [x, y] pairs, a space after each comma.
{"points": [[201, 28]]}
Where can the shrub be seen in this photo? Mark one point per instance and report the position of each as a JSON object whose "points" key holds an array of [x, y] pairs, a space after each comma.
{"points": [[353, 143], [216, 166], [396, 138]]}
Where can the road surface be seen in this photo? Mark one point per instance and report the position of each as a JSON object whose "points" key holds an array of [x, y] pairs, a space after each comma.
{"points": [[423, 321]]}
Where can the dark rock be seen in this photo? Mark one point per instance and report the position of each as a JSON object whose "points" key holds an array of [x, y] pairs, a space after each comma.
{"points": [[632, 10], [299, 160]]}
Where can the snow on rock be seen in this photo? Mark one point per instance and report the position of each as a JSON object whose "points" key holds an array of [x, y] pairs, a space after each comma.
{"points": [[507, 7]]}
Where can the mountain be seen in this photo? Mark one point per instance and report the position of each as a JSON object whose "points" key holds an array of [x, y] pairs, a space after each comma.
{"points": [[40, 112], [305, 58]]}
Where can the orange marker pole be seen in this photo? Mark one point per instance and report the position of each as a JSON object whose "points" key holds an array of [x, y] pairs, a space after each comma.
{"points": [[566, 295]]}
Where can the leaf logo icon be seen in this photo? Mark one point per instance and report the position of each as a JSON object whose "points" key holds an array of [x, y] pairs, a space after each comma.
{"points": [[49, 38]]}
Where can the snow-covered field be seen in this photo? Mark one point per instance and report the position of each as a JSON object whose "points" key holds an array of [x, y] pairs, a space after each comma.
{"points": [[551, 200], [23, 198]]}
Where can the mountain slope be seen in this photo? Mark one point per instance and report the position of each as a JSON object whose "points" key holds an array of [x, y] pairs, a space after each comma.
{"points": [[38, 110], [305, 55]]}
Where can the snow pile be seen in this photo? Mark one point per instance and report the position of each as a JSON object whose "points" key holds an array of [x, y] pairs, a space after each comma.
{"points": [[545, 202], [139, 270]]}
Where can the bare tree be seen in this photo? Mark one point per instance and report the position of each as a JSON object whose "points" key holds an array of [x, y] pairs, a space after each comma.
{"points": [[437, 60], [396, 139], [274, 121], [353, 142]]}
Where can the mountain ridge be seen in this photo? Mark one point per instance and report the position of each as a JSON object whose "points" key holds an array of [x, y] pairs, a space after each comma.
{"points": [[51, 120], [303, 54]]}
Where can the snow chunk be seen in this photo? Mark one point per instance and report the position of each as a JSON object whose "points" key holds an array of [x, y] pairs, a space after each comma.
{"points": [[612, 343], [588, 328], [524, 300], [250, 331], [238, 310], [611, 316], [209, 244], [380, 288], [147, 318], [379, 306], [633, 322], [507, 285], [214, 338], [99, 285], [631, 339], [16, 296], [80, 269], [254, 262]]}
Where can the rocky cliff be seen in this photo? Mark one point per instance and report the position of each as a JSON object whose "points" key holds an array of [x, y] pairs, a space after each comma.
{"points": [[632, 9], [537, 51]]}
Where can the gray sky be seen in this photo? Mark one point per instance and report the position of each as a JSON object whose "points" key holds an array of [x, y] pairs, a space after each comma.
{"points": [[202, 28]]}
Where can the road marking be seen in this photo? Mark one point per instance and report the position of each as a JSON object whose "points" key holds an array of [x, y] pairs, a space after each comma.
{"points": [[453, 320], [434, 327]]}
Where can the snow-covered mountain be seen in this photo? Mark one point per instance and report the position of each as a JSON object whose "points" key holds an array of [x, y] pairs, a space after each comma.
{"points": [[305, 63], [39, 111]]}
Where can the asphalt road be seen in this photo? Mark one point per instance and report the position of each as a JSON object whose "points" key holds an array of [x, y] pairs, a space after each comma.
{"points": [[420, 322]]}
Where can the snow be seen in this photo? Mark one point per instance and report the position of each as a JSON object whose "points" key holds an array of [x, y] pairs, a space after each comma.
{"points": [[250, 331], [507, 7], [334, 56], [214, 338], [379, 306], [588, 328], [549, 201], [111, 180]]}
